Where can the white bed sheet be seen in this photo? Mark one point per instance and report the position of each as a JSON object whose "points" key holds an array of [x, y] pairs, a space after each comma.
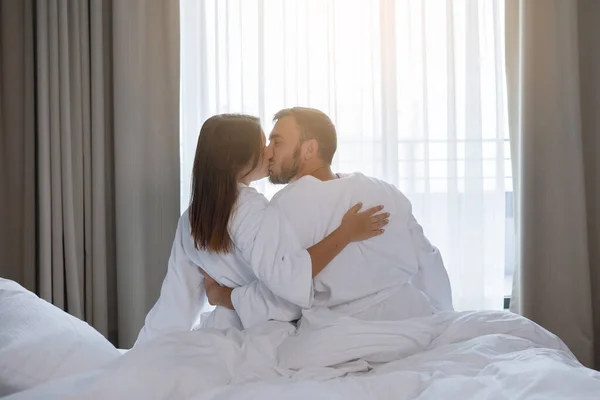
{"points": [[40, 342], [478, 355]]}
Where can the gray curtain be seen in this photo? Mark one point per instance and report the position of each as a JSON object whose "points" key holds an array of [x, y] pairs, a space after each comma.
{"points": [[95, 178], [553, 75], [146, 123], [17, 144]]}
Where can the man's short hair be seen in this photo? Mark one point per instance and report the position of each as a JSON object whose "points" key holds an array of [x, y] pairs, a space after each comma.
{"points": [[314, 124]]}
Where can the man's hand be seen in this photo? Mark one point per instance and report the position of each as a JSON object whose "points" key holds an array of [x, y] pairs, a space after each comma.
{"points": [[217, 295]]}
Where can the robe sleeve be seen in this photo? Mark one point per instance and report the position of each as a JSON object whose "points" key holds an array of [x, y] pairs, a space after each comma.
{"points": [[182, 295], [256, 302], [280, 262]]}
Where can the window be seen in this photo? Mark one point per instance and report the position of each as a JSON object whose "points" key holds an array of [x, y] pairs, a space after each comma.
{"points": [[416, 89]]}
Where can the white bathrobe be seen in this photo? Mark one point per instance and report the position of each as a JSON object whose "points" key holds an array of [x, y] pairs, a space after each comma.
{"points": [[182, 296], [393, 276], [374, 279]]}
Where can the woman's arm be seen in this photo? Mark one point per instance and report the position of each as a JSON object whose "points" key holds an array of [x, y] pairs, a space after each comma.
{"points": [[182, 295], [279, 260], [356, 226]]}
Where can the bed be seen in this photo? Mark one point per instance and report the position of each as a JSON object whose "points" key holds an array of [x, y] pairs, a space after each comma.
{"points": [[453, 355]]}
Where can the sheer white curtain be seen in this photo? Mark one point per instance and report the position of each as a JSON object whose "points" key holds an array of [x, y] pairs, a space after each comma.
{"points": [[416, 90]]}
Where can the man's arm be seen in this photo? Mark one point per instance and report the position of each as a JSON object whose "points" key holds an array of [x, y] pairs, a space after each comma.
{"points": [[254, 303], [432, 278]]}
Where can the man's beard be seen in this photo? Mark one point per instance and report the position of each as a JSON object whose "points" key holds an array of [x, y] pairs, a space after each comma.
{"points": [[287, 172]]}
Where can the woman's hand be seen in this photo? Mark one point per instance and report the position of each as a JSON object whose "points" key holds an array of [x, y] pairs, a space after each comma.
{"points": [[364, 225], [356, 226]]}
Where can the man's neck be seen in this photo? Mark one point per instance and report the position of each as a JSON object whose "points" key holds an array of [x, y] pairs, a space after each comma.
{"points": [[323, 173]]}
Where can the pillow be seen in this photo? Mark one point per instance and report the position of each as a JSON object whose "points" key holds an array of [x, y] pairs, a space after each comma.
{"points": [[40, 342]]}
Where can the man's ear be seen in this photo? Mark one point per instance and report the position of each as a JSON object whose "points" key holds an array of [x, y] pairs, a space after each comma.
{"points": [[311, 149]]}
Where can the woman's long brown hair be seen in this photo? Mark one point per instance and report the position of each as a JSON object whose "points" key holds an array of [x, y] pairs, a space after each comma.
{"points": [[227, 143]]}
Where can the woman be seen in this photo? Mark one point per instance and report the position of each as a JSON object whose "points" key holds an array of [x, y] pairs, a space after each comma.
{"points": [[216, 234]]}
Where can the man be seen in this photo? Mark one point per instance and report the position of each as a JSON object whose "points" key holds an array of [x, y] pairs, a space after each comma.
{"points": [[395, 276]]}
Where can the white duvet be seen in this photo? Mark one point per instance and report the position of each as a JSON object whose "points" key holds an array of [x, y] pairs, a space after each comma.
{"points": [[479, 355]]}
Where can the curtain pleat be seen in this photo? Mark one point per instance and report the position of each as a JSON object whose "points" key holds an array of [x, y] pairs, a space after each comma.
{"points": [[554, 91], [17, 144], [95, 147]]}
